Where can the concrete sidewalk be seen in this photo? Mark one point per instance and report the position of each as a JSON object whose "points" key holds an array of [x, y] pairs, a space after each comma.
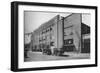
{"points": [[68, 54], [38, 56], [80, 55]]}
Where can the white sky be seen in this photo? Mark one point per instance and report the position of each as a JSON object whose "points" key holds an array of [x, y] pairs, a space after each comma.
{"points": [[34, 19]]}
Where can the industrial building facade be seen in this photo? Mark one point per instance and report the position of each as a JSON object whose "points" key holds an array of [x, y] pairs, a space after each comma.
{"points": [[65, 33]]}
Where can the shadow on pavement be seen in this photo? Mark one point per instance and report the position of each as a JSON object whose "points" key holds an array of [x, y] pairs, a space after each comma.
{"points": [[64, 55]]}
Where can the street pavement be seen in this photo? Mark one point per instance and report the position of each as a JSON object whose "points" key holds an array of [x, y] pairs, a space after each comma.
{"points": [[38, 56]]}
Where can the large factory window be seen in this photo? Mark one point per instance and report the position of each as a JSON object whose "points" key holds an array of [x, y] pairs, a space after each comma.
{"points": [[68, 31]]}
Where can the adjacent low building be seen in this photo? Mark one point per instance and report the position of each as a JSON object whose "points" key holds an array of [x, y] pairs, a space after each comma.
{"points": [[27, 40]]}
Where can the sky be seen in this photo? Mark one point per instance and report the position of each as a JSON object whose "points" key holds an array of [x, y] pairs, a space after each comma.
{"points": [[32, 20]]}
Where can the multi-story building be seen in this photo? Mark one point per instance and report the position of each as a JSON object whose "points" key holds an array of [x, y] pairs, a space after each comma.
{"points": [[46, 34], [61, 32], [72, 32]]}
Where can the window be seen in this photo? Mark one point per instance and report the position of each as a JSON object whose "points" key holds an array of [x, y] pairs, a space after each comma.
{"points": [[42, 32], [52, 43], [50, 29], [46, 30]]}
